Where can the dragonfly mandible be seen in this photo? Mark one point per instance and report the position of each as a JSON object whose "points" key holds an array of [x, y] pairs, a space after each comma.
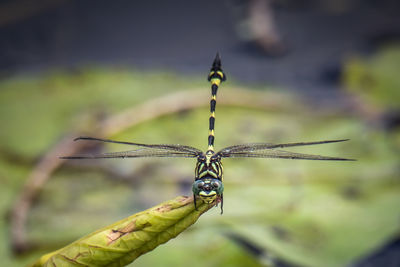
{"points": [[208, 178]]}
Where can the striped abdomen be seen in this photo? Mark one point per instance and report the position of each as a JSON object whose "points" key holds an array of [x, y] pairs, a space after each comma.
{"points": [[216, 76]]}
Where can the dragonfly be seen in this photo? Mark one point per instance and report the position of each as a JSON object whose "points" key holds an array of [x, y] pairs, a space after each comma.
{"points": [[208, 179]]}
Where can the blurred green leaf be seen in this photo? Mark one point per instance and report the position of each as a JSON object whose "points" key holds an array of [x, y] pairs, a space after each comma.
{"points": [[376, 77]]}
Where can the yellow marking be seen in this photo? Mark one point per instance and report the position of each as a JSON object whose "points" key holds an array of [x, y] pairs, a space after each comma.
{"points": [[208, 159], [202, 174], [220, 73], [214, 167], [208, 200], [222, 171], [198, 168], [214, 97], [213, 174], [204, 194], [211, 132], [201, 166], [211, 73], [212, 114], [211, 148], [216, 81]]}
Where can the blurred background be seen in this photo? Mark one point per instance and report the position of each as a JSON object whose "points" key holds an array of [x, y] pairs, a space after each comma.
{"points": [[298, 70]]}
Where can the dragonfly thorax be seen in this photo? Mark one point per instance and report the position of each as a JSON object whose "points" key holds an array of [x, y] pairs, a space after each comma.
{"points": [[208, 166]]}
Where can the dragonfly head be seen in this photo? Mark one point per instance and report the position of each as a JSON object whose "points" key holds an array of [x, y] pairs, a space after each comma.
{"points": [[208, 189]]}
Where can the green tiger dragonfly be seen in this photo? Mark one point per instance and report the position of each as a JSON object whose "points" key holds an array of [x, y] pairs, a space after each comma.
{"points": [[208, 178]]}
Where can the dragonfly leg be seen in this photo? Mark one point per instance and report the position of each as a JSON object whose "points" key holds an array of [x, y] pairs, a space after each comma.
{"points": [[194, 201], [222, 203]]}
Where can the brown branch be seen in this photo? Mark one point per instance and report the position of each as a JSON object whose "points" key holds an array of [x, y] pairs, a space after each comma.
{"points": [[40, 174], [186, 100]]}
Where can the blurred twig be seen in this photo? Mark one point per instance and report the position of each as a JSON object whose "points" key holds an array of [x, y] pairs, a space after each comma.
{"points": [[186, 100], [35, 182]]}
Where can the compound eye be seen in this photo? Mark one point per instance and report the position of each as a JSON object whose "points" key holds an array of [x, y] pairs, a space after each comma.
{"points": [[200, 185], [215, 184]]}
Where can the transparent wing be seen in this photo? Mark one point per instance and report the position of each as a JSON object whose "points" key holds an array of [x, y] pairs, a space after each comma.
{"points": [[259, 146], [268, 150], [280, 154], [139, 153], [145, 150]]}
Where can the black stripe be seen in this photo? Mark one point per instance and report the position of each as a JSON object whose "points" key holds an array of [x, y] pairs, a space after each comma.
{"points": [[212, 121], [210, 140], [214, 89], [212, 105]]}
